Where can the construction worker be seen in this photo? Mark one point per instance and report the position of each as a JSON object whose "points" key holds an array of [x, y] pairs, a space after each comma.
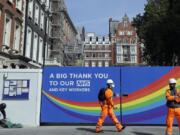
{"points": [[173, 104], [107, 107]]}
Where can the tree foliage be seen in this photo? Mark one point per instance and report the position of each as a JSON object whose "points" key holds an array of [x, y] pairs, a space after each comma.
{"points": [[159, 30]]}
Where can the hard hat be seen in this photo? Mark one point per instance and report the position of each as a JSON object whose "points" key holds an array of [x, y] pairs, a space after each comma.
{"points": [[109, 81], [172, 80]]}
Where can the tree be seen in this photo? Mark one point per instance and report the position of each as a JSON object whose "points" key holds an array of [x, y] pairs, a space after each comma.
{"points": [[159, 30]]}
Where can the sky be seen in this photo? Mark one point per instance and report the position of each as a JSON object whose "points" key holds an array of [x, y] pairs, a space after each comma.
{"points": [[94, 14]]}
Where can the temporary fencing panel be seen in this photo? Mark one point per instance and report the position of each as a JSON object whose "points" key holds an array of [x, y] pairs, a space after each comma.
{"points": [[146, 87], [20, 89], [70, 93]]}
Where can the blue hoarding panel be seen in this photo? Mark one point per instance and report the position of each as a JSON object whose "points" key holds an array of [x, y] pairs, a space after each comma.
{"points": [[70, 93], [146, 87]]}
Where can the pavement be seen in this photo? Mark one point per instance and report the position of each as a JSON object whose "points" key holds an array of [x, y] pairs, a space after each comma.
{"points": [[87, 130]]}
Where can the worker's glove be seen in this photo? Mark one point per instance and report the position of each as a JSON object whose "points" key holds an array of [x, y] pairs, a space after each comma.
{"points": [[177, 98], [116, 95], [178, 94]]}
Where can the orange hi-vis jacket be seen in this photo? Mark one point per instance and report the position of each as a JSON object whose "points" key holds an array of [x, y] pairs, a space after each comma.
{"points": [[107, 110], [173, 104], [109, 95], [173, 99]]}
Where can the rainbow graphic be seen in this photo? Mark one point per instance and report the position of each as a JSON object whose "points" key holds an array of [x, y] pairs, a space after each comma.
{"points": [[141, 105]]}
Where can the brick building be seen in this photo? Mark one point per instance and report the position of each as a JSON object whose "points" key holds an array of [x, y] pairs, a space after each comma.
{"points": [[12, 13], [97, 51], [124, 38], [34, 33]]}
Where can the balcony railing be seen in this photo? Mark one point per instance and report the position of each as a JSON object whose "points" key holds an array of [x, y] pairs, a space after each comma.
{"points": [[86, 50], [98, 58]]}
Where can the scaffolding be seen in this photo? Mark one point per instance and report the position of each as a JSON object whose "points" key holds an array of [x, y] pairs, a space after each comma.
{"points": [[63, 35], [57, 34]]}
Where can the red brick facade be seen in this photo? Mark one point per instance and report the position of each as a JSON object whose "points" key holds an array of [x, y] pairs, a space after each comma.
{"points": [[9, 8], [125, 41]]}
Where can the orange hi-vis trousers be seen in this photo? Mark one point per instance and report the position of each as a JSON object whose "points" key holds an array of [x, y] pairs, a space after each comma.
{"points": [[107, 111], [170, 118]]}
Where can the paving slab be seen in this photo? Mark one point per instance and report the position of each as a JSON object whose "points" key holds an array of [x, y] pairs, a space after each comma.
{"points": [[87, 130]]}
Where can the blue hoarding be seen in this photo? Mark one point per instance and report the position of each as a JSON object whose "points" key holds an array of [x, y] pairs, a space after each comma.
{"points": [[70, 93]]}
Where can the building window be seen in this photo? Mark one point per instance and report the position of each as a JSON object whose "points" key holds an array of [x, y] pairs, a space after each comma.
{"points": [[7, 30], [126, 41], [93, 40], [96, 39], [87, 40], [40, 60], [19, 4], [126, 49], [103, 39], [0, 13], [30, 8], [28, 42], [93, 64], [133, 60], [132, 49], [106, 40], [42, 20], [129, 33], [131, 41], [121, 33], [100, 47], [17, 36], [86, 64], [118, 49], [36, 14], [106, 64], [100, 55], [100, 64], [47, 26], [125, 24], [100, 41], [106, 55], [47, 4], [118, 59], [85, 55], [127, 58], [93, 46], [119, 42], [107, 47], [35, 46]]}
